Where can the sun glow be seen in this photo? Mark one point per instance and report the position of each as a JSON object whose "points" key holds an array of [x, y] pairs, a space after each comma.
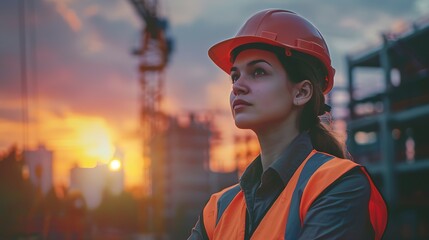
{"points": [[96, 140], [115, 165], [77, 140]]}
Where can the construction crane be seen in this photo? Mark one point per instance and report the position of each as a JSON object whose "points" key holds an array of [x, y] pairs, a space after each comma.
{"points": [[154, 55]]}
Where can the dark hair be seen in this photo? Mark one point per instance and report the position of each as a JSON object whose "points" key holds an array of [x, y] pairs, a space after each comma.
{"points": [[300, 66]]}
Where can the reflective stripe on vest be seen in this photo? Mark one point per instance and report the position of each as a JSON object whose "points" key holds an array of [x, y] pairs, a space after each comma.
{"points": [[225, 213]]}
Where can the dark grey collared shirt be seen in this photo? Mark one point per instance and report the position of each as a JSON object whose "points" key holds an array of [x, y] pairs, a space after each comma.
{"points": [[341, 212]]}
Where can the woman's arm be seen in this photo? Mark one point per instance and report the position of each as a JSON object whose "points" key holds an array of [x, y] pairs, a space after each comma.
{"points": [[198, 232], [341, 211]]}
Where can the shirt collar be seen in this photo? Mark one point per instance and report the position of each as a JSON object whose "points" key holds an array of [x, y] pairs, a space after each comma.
{"points": [[252, 174], [289, 160]]}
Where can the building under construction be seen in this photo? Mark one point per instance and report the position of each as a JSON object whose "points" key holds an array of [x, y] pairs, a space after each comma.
{"points": [[176, 153], [186, 176], [387, 125]]}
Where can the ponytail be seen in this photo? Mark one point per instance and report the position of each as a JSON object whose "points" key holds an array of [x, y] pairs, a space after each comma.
{"points": [[324, 140]]}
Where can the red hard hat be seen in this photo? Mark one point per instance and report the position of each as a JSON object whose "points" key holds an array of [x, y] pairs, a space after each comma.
{"points": [[279, 28]]}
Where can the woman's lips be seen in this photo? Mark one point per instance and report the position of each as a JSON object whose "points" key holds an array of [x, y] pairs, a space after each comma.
{"points": [[239, 103]]}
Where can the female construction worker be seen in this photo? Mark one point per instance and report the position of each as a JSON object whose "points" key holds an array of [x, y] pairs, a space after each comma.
{"points": [[300, 186]]}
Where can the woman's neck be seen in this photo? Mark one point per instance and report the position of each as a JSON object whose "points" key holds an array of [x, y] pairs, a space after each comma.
{"points": [[273, 141]]}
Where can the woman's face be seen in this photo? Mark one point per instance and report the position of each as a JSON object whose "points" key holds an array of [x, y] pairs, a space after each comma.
{"points": [[262, 94]]}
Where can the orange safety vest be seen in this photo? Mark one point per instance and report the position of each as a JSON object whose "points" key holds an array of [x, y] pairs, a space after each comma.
{"points": [[225, 213]]}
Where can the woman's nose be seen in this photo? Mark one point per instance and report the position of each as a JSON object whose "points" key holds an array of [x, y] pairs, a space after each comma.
{"points": [[239, 87]]}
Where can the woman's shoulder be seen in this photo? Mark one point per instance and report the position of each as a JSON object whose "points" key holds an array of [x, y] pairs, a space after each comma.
{"points": [[353, 180], [222, 198], [344, 172], [333, 163], [336, 177], [234, 189]]}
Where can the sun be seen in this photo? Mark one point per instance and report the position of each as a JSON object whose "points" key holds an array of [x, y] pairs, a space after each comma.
{"points": [[115, 165], [95, 138]]}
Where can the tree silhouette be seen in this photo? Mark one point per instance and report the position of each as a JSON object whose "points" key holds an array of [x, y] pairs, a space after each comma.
{"points": [[16, 195]]}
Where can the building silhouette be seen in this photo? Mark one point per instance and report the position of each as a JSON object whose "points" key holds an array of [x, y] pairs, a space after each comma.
{"points": [[39, 164], [93, 182], [388, 125], [182, 181]]}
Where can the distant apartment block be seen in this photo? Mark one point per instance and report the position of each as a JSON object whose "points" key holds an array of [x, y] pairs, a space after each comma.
{"points": [[92, 182], [39, 162]]}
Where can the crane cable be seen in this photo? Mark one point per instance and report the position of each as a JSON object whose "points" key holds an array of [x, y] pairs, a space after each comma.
{"points": [[23, 71], [28, 39]]}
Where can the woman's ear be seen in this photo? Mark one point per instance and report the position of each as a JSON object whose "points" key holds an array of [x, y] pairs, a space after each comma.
{"points": [[303, 92]]}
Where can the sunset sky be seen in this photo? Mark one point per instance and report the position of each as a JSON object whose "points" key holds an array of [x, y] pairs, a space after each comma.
{"points": [[83, 89]]}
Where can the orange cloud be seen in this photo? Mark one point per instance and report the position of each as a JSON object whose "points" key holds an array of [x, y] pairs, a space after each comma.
{"points": [[68, 14], [93, 42], [91, 10]]}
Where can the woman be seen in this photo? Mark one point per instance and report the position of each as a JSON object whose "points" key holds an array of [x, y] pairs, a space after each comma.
{"points": [[300, 186]]}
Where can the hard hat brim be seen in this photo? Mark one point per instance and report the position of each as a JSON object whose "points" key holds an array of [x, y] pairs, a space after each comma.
{"points": [[220, 54]]}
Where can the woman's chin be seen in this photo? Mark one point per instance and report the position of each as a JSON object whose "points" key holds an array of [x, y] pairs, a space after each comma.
{"points": [[244, 123]]}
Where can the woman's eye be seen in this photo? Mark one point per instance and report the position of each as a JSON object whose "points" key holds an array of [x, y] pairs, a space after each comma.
{"points": [[258, 72], [234, 77]]}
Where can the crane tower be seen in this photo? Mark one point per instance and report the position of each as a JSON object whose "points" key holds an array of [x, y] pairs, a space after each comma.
{"points": [[154, 52]]}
